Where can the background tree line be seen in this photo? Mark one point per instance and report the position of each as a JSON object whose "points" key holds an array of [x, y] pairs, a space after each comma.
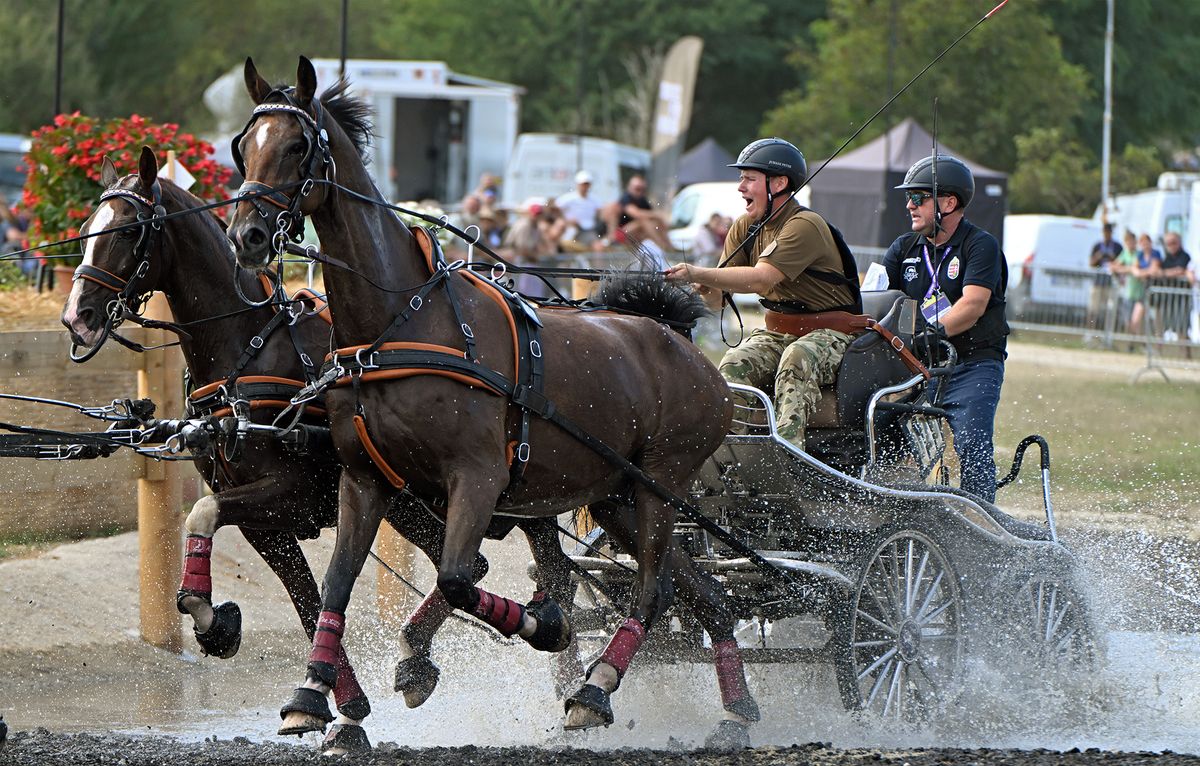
{"points": [[1022, 94]]}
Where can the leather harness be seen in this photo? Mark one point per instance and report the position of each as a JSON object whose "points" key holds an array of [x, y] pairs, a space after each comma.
{"points": [[843, 322]]}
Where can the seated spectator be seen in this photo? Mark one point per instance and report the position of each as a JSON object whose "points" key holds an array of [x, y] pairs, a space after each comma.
{"points": [[710, 240], [580, 211], [632, 216]]}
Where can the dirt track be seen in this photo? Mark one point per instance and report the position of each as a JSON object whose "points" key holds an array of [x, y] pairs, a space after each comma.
{"points": [[42, 747]]}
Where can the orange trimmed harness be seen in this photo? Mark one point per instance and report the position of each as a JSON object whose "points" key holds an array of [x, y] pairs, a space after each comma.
{"points": [[394, 360]]}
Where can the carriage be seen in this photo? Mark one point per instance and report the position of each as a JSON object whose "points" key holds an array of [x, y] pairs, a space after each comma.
{"points": [[894, 577]]}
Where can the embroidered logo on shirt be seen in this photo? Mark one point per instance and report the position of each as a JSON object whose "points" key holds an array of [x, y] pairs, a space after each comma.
{"points": [[910, 273], [769, 249], [952, 268]]}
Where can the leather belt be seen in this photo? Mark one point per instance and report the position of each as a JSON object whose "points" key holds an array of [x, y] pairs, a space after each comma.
{"points": [[803, 324], [845, 322]]}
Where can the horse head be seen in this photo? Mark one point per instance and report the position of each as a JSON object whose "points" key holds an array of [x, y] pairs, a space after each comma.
{"points": [[119, 269], [287, 153]]}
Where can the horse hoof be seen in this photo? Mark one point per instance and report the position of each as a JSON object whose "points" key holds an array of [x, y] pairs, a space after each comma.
{"points": [[345, 738], [307, 710], [553, 632], [224, 637], [587, 708], [416, 678], [729, 736]]}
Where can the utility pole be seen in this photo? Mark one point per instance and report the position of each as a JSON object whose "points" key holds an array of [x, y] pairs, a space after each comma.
{"points": [[1106, 150], [345, 19], [58, 59]]}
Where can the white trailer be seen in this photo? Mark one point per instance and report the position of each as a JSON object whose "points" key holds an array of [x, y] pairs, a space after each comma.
{"points": [[436, 131]]}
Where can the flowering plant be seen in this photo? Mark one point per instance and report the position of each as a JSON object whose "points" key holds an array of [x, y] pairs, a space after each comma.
{"points": [[63, 168]]}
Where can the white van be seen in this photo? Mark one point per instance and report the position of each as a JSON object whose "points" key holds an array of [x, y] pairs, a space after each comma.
{"points": [[544, 165], [1048, 261], [13, 148], [695, 204]]}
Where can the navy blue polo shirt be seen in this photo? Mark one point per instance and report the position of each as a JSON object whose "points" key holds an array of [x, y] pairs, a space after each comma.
{"points": [[970, 257]]}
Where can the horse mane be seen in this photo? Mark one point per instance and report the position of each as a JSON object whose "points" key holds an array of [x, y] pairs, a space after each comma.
{"points": [[651, 296], [186, 200], [351, 112]]}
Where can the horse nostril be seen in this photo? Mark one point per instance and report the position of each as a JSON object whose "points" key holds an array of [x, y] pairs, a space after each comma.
{"points": [[255, 238]]}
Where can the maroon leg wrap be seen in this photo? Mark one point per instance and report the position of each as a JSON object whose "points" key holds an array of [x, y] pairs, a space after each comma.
{"points": [[731, 677], [347, 687], [197, 570], [327, 641], [624, 644], [501, 613]]}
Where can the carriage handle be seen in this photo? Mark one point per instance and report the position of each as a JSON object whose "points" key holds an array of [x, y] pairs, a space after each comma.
{"points": [[1044, 447]]}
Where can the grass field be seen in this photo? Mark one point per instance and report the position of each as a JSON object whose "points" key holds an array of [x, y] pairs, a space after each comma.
{"points": [[1116, 447]]}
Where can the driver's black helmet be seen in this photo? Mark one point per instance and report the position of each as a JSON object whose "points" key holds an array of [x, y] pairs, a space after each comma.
{"points": [[774, 157], [953, 177]]}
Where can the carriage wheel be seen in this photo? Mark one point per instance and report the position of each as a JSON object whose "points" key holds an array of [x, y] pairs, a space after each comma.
{"points": [[900, 647], [1055, 625]]}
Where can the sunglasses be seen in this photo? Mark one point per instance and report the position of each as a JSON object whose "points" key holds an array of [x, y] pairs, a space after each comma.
{"points": [[917, 198]]}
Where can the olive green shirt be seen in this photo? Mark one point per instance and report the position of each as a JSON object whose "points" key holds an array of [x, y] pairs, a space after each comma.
{"points": [[795, 242]]}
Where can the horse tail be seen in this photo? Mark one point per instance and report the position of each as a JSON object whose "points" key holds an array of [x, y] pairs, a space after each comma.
{"points": [[651, 296]]}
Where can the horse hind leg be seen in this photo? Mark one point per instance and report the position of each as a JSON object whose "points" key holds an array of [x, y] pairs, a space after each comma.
{"points": [[590, 706]]}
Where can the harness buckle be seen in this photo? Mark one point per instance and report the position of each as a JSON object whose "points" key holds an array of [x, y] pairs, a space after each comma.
{"points": [[368, 365], [535, 348], [415, 303], [467, 331], [256, 342], [522, 453], [498, 271], [142, 269], [305, 359], [307, 187]]}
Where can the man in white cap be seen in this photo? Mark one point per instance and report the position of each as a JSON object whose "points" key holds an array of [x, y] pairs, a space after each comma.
{"points": [[580, 211]]}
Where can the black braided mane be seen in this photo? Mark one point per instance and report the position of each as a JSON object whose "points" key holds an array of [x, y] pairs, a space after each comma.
{"points": [[651, 296]]}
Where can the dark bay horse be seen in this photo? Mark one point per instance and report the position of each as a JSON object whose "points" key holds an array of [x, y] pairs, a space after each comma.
{"points": [[446, 429], [272, 494]]}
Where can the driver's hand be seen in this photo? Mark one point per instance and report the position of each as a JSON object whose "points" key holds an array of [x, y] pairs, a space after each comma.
{"points": [[680, 272]]}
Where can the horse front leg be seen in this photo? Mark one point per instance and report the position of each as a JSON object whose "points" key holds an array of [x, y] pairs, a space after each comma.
{"points": [[470, 503], [416, 674], [283, 554], [590, 706], [218, 629], [362, 501], [554, 600]]}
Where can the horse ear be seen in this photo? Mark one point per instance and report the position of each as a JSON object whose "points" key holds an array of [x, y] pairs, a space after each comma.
{"points": [[108, 173], [306, 82], [256, 86], [147, 167]]}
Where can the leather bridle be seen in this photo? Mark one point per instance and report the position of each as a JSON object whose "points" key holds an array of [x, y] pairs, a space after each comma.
{"points": [[289, 220], [133, 293]]}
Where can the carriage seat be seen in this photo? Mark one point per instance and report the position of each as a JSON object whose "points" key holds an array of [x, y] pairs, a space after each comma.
{"points": [[869, 364]]}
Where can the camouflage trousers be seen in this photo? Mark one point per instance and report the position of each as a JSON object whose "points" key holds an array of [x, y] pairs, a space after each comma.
{"points": [[792, 369]]}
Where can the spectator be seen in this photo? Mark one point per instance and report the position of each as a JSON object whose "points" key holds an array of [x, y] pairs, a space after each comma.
{"points": [[533, 238], [1147, 265], [581, 212], [1104, 253], [1174, 307], [710, 240], [1132, 288], [485, 192], [633, 216]]}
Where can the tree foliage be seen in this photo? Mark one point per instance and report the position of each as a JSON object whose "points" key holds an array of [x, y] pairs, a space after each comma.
{"points": [[990, 88]]}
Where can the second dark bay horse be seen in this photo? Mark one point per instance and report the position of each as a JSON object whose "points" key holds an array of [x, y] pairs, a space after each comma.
{"points": [[439, 385], [274, 495]]}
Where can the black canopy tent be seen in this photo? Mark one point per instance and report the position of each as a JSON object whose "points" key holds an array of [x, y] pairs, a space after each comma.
{"points": [[856, 191], [706, 161]]}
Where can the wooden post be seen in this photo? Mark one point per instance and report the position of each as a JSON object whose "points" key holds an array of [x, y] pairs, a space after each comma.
{"points": [[394, 599], [160, 495]]}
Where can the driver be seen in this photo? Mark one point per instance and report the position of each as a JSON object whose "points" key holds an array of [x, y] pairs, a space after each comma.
{"points": [[800, 268], [955, 270]]}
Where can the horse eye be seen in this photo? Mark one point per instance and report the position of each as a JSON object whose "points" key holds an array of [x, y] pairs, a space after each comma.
{"points": [[296, 148]]}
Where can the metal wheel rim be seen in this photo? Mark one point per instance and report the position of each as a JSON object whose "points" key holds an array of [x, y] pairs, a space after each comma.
{"points": [[906, 630], [1057, 629]]}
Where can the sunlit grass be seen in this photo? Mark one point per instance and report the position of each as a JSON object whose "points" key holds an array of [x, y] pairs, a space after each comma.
{"points": [[24, 544]]}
